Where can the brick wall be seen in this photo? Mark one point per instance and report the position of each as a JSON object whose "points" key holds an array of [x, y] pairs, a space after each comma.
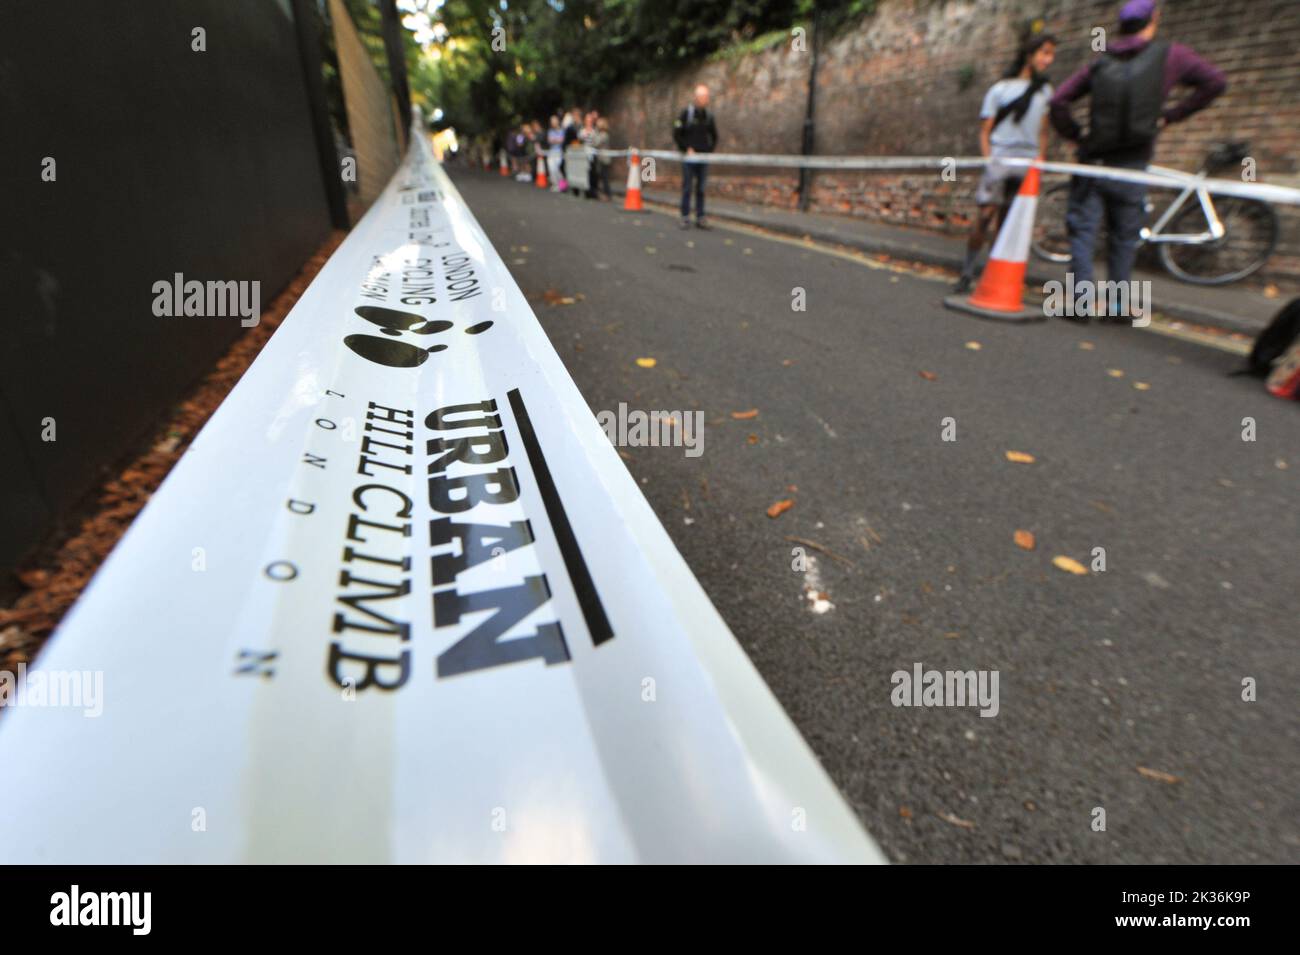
{"points": [[371, 110], [909, 79]]}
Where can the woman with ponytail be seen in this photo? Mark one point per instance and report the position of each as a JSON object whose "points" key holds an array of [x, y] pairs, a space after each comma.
{"points": [[1013, 123]]}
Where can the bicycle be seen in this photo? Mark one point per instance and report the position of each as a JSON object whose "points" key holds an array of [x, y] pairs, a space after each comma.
{"points": [[1207, 242]]}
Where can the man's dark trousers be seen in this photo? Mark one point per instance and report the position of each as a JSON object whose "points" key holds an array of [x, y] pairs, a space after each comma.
{"points": [[1123, 204], [693, 172]]}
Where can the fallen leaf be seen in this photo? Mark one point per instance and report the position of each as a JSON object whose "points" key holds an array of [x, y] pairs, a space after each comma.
{"points": [[905, 812], [752, 439], [1086, 346], [1141, 386], [1069, 564], [11, 636], [1271, 291], [1019, 457], [928, 375], [651, 249], [792, 488], [779, 508], [745, 415], [974, 346], [1115, 373], [1158, 775], [950, 818], [1024, 539], [646, 362], [788, 362], [32, 579]]}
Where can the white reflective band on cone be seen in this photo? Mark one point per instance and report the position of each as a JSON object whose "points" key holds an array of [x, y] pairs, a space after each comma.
{"points": [[1012, 243], [407, 489], [1158, 177]]}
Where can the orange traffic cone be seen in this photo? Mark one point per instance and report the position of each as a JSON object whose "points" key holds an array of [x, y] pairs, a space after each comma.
{"points": [[1001, 290], [632, 201], [505, 164], [541, 173]]}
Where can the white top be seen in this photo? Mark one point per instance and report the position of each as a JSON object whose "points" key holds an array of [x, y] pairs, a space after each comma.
{"points": [[1010, 136]]}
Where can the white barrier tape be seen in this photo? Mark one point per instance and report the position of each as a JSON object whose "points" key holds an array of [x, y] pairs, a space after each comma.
{"points": [[401, 601], [1156, 176]]}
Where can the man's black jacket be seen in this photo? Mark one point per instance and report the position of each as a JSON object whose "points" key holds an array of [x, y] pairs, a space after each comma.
{"points": [[696, 130]]}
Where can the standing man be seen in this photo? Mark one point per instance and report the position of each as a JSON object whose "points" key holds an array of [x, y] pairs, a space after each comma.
{"points": [[695, 132], [1128, 85], [601, 141]]}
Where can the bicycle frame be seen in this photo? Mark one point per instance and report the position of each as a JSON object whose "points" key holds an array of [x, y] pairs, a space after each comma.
{"points": [[1156, 232]]}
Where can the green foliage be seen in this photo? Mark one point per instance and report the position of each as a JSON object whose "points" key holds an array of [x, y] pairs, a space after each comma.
{"points": [[760, 43], [558, 53]]}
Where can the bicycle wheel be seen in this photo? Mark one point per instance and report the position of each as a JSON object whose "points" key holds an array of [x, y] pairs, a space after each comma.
{"points": [[1051, 242], [1250, 236]]}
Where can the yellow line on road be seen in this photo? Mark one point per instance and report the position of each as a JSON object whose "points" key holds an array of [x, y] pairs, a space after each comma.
{"points": [[1160, 324]]}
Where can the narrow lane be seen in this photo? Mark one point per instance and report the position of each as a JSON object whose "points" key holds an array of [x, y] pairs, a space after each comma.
{"points": [[1119, 690]]}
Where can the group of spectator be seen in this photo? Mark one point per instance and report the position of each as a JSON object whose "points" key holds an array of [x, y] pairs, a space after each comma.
{"points": [[1128, 87], [533, 149]]}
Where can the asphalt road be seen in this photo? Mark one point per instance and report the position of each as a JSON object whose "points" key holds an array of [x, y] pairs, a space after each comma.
{"points": [[1120, 690]]}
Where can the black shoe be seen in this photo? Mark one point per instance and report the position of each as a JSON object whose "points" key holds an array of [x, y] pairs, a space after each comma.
{"points": [[701, 224], [963, 285], [685, 224], [1077, 319]]}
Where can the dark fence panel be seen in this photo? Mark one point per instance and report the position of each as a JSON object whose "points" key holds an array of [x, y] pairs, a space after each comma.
{"points": [[168, 160]]}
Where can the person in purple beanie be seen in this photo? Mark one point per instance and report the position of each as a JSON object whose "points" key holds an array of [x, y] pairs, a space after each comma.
{"points": [[1127, 86]]}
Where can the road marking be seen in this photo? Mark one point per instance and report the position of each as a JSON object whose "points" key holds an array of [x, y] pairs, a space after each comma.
{"points": [[1160, 325]]}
